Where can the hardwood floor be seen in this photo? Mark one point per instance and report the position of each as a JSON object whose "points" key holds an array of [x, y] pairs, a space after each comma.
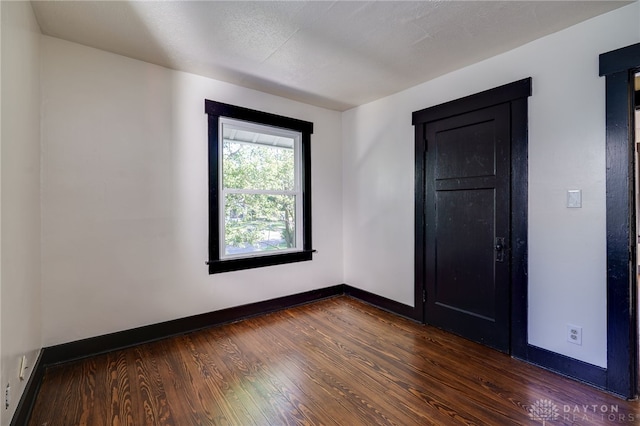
{"points": [[335, 362]]}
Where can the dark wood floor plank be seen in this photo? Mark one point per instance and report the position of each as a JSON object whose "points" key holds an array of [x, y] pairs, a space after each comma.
{"points": [[216, 395], [94, 396], [42, 409], [120, 410], [239, 375], [336, 377], [350, 371], [149, 389], [283, 365], [334, 362], [72, 395], [435, 367], [281, 403], [250, 390], [382, 371], [191, 400]]}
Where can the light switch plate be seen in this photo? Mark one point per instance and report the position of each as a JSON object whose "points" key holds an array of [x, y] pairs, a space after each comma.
{"points": [[574, 198]]}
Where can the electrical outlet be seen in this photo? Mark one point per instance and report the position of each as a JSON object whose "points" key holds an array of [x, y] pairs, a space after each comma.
{"points": [[23, 366], [574, 334], [7, 397]]}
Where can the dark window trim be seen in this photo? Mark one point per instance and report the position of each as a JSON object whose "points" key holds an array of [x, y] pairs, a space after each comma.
{"points": [[618, 67], [215, 110]]}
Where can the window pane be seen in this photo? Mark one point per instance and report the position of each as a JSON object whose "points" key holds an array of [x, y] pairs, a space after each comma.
{"points": [[255, 166], [258, 223]]}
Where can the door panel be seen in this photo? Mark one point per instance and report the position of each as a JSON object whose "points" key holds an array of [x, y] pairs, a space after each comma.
{"points": [[467, 210], [464, 267], [466, 151]]}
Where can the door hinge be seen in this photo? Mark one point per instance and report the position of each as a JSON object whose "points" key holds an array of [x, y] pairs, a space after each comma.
{"points": [[424, 296]]}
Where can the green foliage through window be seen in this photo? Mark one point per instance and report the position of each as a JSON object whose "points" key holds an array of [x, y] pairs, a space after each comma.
{"points": [[260, 189]]}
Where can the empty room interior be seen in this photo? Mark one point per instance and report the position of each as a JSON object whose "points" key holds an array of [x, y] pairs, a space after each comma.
{"points": [[319, 212]]}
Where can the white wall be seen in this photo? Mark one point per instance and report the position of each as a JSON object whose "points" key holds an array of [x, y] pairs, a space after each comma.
{"points": [[124, 189], [567, 257], [20, 196], [124, 196]]}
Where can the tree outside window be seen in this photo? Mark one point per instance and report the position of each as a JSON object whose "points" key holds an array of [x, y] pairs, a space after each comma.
{"points": [[260, 189]]}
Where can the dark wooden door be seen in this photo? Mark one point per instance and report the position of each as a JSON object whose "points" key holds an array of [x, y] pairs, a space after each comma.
{"points": [[467, 233]]}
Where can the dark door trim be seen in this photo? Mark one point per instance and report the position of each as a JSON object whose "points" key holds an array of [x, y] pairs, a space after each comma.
{"points": [[620, 378], [516, 95], [618, 67]]}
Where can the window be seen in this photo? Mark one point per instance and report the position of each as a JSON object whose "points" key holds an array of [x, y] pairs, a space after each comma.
{"points": [[259, 188]]}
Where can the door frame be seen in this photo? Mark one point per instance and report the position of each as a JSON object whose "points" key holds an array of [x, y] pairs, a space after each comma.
{"points": [[618, 67], [516, 95]]}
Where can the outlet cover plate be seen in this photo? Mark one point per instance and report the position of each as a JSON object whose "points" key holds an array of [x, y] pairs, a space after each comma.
{"points": [[23, 366], [574, 334]]}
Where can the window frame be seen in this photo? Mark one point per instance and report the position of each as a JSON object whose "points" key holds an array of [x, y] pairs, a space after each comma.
{"points": [[217, 263], [296, 191]]}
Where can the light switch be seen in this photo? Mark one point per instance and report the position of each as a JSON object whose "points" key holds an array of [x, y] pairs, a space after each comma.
{"points": [[574, 198]]}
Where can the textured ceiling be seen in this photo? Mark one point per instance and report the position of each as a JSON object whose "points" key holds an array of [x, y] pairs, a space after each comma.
{"points": [[331, 54]]}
